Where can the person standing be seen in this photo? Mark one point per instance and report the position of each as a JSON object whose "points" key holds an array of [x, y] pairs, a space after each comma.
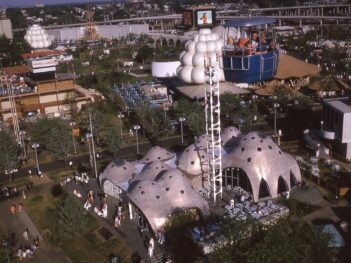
{"points": [[26, 234]]}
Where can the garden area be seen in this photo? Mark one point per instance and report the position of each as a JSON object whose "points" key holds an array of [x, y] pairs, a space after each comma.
{"points": [[84, 245]]}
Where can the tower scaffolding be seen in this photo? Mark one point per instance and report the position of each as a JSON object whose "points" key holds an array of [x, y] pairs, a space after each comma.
{"points": [[213, 128]]}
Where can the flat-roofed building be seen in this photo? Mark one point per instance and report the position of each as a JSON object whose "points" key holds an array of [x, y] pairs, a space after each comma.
{"points": [[336, 124], [6, 28]]}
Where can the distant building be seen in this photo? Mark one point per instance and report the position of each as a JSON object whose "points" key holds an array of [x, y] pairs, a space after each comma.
{"points": [[336, 125], [105, 31], [6, 28]]}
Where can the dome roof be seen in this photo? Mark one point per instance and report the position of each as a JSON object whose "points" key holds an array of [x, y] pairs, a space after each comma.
{"points": [[151, 171], [157, 153], [261, 158], [118, 171], [229, 136], [158, 199], [194, 159], [37, 37]]}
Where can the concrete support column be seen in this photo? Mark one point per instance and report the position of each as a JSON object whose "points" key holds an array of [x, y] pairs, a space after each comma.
{"points": [[280, 22], [322, 11], [321, 22], [300, 22]]}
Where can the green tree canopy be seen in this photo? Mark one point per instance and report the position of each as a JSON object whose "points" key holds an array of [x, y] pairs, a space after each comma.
{"points": [[145, 53], [194, 115], [9, 151], [52, 135], [285, 241], [72, 216], [153, 120]]}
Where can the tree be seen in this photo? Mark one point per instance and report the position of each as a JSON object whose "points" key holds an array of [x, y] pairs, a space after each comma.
{"points": [[282, 93], [72, 216], [9, 151], [194, 114], [52, 135], [153, 120], [145, 53], [284, 241]]}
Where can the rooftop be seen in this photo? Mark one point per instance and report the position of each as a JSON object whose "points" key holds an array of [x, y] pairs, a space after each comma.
{"points": [[341, 104]]}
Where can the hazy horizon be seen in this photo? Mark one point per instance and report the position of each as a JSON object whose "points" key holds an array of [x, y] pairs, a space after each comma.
{"points": [[22, 3]]}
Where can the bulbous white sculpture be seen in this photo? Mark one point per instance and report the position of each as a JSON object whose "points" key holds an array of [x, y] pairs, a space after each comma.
{"points": [[37, 37], [205, 46]]}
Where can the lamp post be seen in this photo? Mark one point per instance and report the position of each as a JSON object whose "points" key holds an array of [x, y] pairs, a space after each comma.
{"points": [[181, 120], [6, 244], [22, 134], [136, 128], [72, 124], [35, 146], [322, 123], [92, 144], [120, 116], [275, 106], [165, 109], [88, 136]]}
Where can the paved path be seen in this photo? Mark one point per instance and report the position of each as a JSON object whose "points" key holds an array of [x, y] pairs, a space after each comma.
{"points": [[127, 232], [17, 223]]}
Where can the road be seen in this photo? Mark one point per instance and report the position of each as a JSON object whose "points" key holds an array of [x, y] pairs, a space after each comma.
{"points": [[124, 151]]}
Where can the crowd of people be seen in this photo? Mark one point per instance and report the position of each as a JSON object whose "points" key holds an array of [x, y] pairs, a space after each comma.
{"points": [[249, 45]]}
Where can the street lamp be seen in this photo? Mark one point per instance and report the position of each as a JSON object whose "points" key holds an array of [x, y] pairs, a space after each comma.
{"points": [[322, 122], [181, 120], [120, 116], [22, 134], [35, 146], [165, 109], [136, 128], [6, 244], [92, 144], [88, 136], [72, 124], [275, 106]]}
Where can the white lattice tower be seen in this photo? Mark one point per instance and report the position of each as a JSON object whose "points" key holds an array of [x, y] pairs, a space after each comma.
{"points": [[213, 128]]}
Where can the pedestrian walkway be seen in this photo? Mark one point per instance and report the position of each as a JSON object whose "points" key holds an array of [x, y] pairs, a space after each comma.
{"points": [[15, 224], [127, 232]]}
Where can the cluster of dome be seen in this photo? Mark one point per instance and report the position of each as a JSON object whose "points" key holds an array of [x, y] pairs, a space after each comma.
{"points": [[205, 46], [37, 37], [163, 182]]}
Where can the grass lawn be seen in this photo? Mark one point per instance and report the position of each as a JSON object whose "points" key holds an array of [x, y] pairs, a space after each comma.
{"points": [[88, 247]]}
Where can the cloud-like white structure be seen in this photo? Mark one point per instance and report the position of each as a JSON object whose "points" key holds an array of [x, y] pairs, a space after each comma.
{"points": [[37, 37], [204, 46]]}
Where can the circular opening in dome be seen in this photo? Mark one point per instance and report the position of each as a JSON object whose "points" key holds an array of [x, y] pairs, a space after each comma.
{"points": [[159, 157], [243, 149], [245, 139], [152, 183], [125, 168], [249, 159], [233, 136], [147, 159], [187, 150], [270, 147], [167, 153], [162, 166], [252, 138], [192, 162], [157, 196], [112, 165], [261, 140], [280, 152], [156, 167], [142, 192], [202, 156], [259, 149], [139, 187], [182, 191], [170, 176], [167, 189]]}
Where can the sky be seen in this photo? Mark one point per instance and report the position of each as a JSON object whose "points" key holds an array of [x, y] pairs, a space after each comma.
{"points": [[16, 3]]}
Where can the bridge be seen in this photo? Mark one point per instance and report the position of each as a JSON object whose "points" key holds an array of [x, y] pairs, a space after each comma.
{"points": [[320, 13], [171, 39]]}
